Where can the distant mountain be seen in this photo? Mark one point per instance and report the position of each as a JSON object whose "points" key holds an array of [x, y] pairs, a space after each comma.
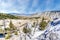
{"points": [[17, 14], [47, 13], [51, 14]]}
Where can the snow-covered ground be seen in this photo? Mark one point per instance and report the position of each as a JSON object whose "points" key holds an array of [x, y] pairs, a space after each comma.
{"points": [[52, 32]]}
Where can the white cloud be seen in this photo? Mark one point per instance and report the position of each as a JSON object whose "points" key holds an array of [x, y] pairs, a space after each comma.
{"points": [[6, 11], [12, 6], [34, 4], [5, 5]]}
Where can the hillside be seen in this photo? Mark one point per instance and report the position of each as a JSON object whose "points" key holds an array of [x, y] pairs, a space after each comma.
{"points": [[8, 16]]}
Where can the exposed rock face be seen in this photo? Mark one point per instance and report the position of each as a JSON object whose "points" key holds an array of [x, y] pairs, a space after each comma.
{"points": [[52, 14], [48, 14]]}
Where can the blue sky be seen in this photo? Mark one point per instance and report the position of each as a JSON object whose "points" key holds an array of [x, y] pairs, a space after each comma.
{"points": [[28, 6]]}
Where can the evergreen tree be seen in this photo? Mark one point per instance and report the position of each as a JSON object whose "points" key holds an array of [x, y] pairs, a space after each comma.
{"points": [[43, 24], [26, 30], [12, 27]]}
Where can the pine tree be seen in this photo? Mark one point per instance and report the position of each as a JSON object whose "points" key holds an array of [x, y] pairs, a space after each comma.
{"points": [[26, 30], [12, 27]]}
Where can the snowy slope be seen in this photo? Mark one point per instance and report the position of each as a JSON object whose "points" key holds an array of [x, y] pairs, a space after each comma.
{"points": [[51, 33]]}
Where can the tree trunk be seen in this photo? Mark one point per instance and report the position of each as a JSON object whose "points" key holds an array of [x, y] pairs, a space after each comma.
{"points": [[34, 30], [4, 27], [25, 36], [35, 27], [20, 37]]}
